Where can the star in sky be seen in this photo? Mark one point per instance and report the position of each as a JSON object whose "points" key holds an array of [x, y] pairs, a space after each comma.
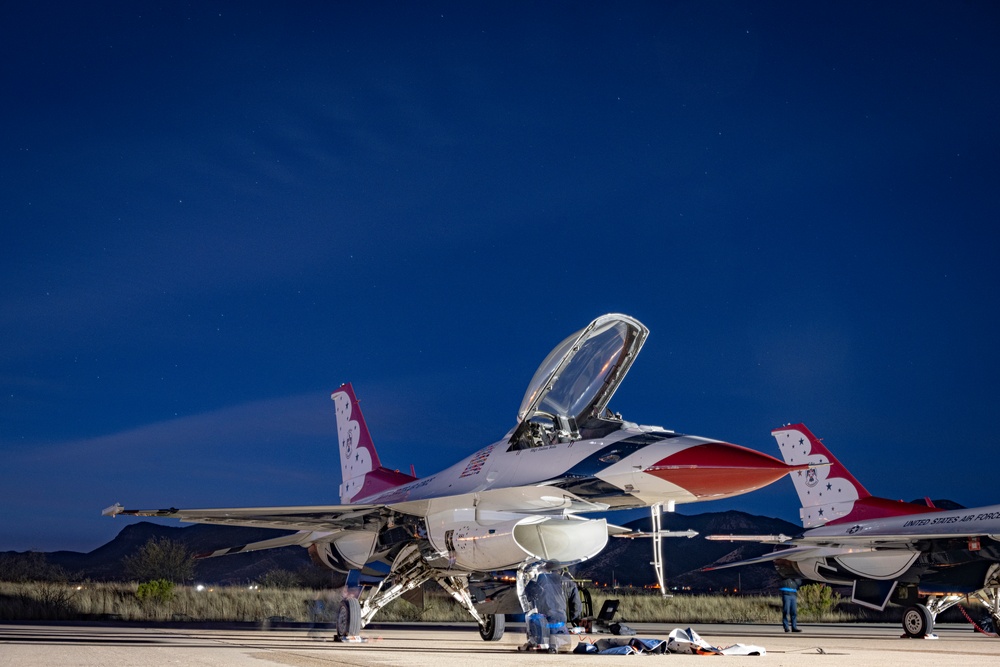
{"points": [[348, 178]]}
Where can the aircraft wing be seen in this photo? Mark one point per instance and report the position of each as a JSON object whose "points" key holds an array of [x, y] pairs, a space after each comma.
{"points": [[887, 543], [522, 500], [311, 518]]}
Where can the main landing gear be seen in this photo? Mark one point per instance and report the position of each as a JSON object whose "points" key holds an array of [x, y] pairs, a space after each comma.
{"points": [[349, 618], [492, 630], [410, 570], [918, 619]]}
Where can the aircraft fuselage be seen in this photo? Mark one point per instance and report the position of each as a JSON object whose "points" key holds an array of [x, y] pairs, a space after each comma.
{"points": [[634, 466], [957, 523]]}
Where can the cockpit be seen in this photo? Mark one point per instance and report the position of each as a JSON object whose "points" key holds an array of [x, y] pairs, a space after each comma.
{"points": [[567, 397]]}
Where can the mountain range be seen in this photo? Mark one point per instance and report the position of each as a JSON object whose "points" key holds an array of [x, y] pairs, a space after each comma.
{"points": [[106, 562]]}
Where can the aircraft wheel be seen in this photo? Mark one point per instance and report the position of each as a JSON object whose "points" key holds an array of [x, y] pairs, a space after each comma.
{"points": [[917, 621], [587, 602], [349, 618], [492, 631], [992, 598]]}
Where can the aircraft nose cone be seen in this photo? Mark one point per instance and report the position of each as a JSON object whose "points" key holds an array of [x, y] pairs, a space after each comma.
{"points": [[718, 469]]}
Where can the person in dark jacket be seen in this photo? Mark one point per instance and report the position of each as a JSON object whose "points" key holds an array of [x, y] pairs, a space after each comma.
{"points": [[790, 604], [556, 598], [545, 593], [571, 592]]}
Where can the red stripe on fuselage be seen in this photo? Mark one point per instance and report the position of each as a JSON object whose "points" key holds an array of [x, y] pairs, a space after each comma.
{"points": [[881, 508]]}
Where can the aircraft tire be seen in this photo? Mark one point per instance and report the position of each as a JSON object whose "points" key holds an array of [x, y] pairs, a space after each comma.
{"points": [[349, 618], [917, 621], [492, 631]]}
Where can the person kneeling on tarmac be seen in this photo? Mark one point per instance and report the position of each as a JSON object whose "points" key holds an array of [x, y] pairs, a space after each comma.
{"points": [[548, 594]]}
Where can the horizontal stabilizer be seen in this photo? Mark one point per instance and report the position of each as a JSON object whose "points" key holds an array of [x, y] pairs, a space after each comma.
{"points": [[297, 539], [793, 553]]}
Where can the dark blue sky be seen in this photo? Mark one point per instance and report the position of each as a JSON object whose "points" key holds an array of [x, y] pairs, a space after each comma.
{"points": [[215, 213]]}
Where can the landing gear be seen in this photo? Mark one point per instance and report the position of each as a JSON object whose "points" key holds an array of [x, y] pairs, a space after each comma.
{"points": [[989, 595], [492, 629], [349, 618], [410, 570], [918, 621]]}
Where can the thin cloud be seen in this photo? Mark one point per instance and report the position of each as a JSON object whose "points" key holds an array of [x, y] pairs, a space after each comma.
{"points": [[247, 426]]}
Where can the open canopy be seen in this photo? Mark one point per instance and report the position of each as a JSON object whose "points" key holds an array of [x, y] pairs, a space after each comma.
{"points": [[579, 377]]}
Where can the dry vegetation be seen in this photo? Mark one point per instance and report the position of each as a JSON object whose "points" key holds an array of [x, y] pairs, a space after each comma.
{"points": [[60, 601], [687, 609], [55, 601]]}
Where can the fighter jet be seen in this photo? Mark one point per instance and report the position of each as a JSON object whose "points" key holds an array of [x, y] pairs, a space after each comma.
{"points": [[510, 505], [911, 554]]}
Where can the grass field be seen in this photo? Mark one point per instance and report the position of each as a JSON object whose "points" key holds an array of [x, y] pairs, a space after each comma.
{"points": [[58, 601]]}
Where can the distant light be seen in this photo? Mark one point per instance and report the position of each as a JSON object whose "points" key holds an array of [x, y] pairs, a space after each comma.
{"points": [[199, 587]]}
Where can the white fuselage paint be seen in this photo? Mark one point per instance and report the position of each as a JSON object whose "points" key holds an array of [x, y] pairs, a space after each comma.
{"points": [[491, 481]]}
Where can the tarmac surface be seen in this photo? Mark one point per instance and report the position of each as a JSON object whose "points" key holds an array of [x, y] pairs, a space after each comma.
{"points": [[124, 645]]}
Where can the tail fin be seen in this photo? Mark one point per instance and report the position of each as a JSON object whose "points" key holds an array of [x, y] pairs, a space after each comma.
{"points": [[829, 493], [361, 471]]}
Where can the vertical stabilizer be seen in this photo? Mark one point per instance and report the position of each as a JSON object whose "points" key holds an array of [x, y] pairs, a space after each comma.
{"points": [[829, 493], [361, 471]]}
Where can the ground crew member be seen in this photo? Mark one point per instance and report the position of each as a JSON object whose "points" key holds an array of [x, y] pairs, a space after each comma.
{"points": [[790, 604]]}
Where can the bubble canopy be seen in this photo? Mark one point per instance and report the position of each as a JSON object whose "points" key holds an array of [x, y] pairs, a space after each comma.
{"points": [[579, 377]]}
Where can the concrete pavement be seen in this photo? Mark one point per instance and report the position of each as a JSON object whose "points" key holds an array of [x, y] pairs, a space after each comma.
{"points": [[105, 645]]}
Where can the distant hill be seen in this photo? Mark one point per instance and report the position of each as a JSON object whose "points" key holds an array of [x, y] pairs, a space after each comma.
{"points": [[105, 562]]}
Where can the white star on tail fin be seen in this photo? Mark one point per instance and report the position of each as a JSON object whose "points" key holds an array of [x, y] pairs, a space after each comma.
{"points": [[828, 491]]}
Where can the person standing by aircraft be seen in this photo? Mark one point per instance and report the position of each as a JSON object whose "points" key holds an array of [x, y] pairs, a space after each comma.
{"points": [[790, 604], [574, 607]]}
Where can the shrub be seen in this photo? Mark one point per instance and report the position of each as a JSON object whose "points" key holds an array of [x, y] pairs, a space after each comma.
{"points": [[160, 558], [279, 579], [158, 590], [29, 566], [817, 600]]}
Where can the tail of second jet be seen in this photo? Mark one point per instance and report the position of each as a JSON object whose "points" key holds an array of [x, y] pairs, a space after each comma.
{"points": [[829, 493], [361, 471]]}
